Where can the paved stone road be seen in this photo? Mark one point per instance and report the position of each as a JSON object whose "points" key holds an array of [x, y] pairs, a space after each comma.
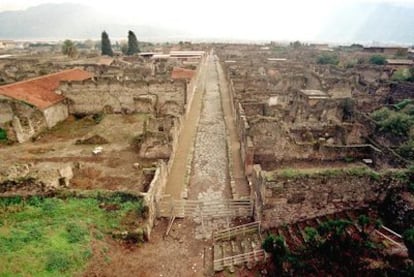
{"points": [[209, 177]]}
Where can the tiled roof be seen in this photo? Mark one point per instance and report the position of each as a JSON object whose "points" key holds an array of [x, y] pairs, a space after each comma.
{"points": [[182, 73], [40, 91]]}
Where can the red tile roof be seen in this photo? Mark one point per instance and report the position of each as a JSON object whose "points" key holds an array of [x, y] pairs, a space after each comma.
{"points": [[40, 91], [182, 73]]}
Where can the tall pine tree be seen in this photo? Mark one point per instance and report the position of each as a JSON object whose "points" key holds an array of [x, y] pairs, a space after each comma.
{"points": [[106, 45], [132, 44]]}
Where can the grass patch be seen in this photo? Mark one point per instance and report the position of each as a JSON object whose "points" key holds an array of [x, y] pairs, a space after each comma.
{"points": [[354, 171], [50, 236]]}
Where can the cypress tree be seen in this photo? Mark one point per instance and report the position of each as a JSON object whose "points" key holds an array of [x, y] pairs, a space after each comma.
{"points": [[106, 45], [132, 44]]}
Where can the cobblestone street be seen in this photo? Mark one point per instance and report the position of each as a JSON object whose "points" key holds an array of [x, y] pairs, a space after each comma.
{"points": [[209, 177]]}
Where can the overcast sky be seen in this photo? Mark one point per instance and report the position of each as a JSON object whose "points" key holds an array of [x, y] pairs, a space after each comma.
{"points": [[288, 19]]}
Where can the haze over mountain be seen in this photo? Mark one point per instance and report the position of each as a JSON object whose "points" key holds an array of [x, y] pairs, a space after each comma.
{"points": [[60, 21], [318, 20], [368, 22]]}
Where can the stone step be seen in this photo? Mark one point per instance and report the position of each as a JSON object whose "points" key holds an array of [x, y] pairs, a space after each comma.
{"points": [[217, 255], [236, 249]]}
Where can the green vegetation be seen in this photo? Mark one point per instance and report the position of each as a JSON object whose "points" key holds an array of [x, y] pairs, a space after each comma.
{"points": [[277, 247], [408, 237], [377, 59], [106, 45], [326, 248], [69, 48], [406, 150], [296, 44], [328, 59], [132, 44], [52, 237], [348, 108], [404, 105], [403, 74], [411, 187], [360, 171], [397, 123], [3, 134]]}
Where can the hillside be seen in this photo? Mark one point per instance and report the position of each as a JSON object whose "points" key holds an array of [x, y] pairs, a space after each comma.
{"points": [[59, 21]]}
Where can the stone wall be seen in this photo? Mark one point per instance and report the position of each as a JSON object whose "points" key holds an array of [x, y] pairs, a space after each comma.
{"points": [[55, 114], [154, 195], [6, 112], [89, 97], [23, 121], [293, 196], [27, 121], [159, 181], [28, 179]]}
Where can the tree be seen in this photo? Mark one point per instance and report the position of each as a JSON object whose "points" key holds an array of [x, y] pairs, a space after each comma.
{"points": [[69, 48], [348, 108], [377, 59], [296, 44], [106, 45], [277, 247], [328, 59], [132, 44]]}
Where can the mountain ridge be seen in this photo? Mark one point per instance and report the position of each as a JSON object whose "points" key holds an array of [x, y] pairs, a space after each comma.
{"points": [[60, 21]]}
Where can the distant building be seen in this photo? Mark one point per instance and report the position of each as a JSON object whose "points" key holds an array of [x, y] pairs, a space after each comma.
{"points": [[30, 106], [387, 50], [187, 54], [320, 46], [7, 44], [400, 63]]}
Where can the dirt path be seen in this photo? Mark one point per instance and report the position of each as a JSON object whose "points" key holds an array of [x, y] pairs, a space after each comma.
{"points": [[241, 187], [179, 254], [177, 178]]}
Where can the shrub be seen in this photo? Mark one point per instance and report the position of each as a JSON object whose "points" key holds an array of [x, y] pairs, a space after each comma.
{"points": [[402, 74], [406, 150], [312, 236], [276, 246], [408, 237], [268, 244], [409, 109], [397, 124], [401, 105], [378, 60], [3, 134], [411, 187], [9, 201], [328, 59], [381, 114]]}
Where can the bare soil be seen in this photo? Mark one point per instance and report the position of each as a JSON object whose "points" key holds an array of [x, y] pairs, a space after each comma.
{"points": [[113, 169], [179, 254]]}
